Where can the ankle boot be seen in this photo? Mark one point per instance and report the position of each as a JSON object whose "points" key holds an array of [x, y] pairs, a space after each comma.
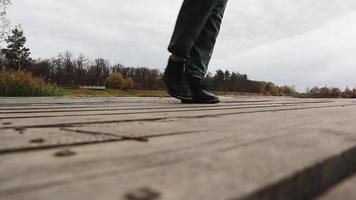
{"points": [[174, 79], [199, 94]]}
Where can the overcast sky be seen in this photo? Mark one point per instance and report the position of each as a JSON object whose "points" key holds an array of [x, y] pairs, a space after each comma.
{"points": [[290, 42]]}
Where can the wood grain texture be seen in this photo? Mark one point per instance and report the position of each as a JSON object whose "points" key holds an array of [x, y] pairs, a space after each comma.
{"points": [[244, 148]]}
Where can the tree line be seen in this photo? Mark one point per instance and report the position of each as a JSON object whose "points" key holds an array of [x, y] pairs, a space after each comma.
{"points": [[329, 92], [67, 69], [236, 82]]}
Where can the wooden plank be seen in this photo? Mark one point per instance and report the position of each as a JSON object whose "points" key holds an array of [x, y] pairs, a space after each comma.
{"points": [[28, 101], [231, 157], [141, 110], [118, 118], [132, 131], [8, 103], [345, 191], [33, 139], [116, 107]]}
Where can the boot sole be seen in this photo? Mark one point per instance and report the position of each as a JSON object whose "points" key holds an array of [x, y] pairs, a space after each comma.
{"points": [[179, 97], [193, 101]]}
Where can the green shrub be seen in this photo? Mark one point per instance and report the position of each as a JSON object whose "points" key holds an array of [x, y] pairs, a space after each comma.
{"points": [[23, 84]]}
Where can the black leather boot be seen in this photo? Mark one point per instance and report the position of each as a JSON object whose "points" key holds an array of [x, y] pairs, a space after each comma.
{"points": [[199, 94], [176, 84]]}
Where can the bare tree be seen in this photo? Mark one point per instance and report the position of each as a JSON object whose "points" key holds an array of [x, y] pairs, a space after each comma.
{"points": [[4, 27], [4, 22], [82, 63]]}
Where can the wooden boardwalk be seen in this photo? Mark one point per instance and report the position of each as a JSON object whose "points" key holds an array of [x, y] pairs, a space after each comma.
{"points": [[245, 148]]}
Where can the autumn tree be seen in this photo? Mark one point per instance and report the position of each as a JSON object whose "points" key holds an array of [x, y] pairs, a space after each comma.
{"points": [[314, 90], [271, 89], [325, 92], [219, 80], [115, 81], [80, 69], [42, 69], [335, 93], [143, 78], [354, 93], [347, 93], [98, 71], [287, 90]]}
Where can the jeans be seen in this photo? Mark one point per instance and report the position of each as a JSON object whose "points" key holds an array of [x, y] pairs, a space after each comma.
{"points": [[195, 34]]}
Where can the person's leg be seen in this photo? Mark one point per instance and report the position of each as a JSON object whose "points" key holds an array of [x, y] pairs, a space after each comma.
{"points": [[202, 50], [192, 19], [199, 57]]}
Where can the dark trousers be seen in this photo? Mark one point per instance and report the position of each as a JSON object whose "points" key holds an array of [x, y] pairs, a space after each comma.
{"points": [[195, 33]]}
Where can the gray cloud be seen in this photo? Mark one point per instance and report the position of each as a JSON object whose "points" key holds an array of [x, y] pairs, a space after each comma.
{"points": [[305, 42]]}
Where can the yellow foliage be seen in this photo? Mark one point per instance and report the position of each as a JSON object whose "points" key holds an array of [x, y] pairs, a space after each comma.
{"points": [[117, 81], [20, 83]]}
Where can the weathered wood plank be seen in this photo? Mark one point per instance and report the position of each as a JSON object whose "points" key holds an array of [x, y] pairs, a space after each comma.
{"points": [[345, 191], [141, 110], [118, 118], [32, 139], [27, 103], [87, 100], [230, 157], [122, 107]]}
